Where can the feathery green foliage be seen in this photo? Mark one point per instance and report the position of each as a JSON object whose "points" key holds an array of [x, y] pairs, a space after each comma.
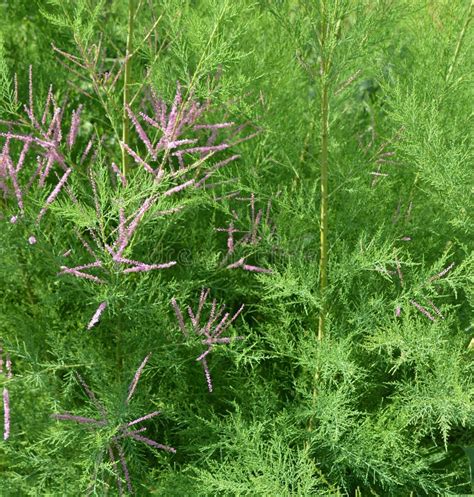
{"points": [[382, 403]]}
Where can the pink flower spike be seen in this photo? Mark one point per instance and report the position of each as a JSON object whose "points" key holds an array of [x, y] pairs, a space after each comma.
{"points": [[76, 116], [141, 132], [398, 311], [15, 89], [236, 315], [214, 126], [179, 315], [230, 239], [31, 240], [255, 226], [133, 384], [399, 271], [256, 269], [224, 340], [237, 264], [88, 266], [8, 366], [151, 121], [422, 310], [178, 188], [438, 312], [86, 150], [78, 274], [214, 168], [14, 177], [119, 174], [21, 159], [96, 316], [136, 220], [30, 93], [79, 419], [204, 354], [6, 410], [54, 194], [207, 150], [13, 219], [152, 443], [124, 466], [177, 143], [92, 396], [125, 434], [221, 326], [172, 125], [207, 374], [47, 104], [44, 170], [144, 418], [442, 273], [149, 267], [137, 158], [114, 465]]}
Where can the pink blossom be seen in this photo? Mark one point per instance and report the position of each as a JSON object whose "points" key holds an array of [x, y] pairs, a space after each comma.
{"points": [[422, 310], [144, 418], [442, 273], [96, 316], [6, 410], [54, 194], [133, 384], [152, 443], [76, 115]]}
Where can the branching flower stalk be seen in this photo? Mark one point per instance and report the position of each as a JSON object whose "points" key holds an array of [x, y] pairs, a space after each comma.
{"points": [[211, 331], [251, 237], [45, 139], [114, 447], [113, 260]]}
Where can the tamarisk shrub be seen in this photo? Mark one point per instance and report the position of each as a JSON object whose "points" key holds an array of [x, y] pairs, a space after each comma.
{"points": [[343, 226]]}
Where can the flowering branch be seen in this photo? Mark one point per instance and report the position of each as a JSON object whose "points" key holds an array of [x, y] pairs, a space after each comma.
{"points": [[122, 430], [6, 394], [250, 237], [210, 330]]}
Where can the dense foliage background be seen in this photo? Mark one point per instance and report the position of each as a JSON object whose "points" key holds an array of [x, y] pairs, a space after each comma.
{"points": [[382, 404]]}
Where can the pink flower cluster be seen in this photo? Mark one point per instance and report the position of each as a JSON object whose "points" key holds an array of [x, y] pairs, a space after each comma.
{"points": [[46, 139], [114, 447], [250, 236], [181, 133], [115, 252], [211, 331]]}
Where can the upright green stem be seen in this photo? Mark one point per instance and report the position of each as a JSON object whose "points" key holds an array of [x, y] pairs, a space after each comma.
{"points": [[323, 230], [325, 63], [462, 34], [324, 207], [126, 85]]}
